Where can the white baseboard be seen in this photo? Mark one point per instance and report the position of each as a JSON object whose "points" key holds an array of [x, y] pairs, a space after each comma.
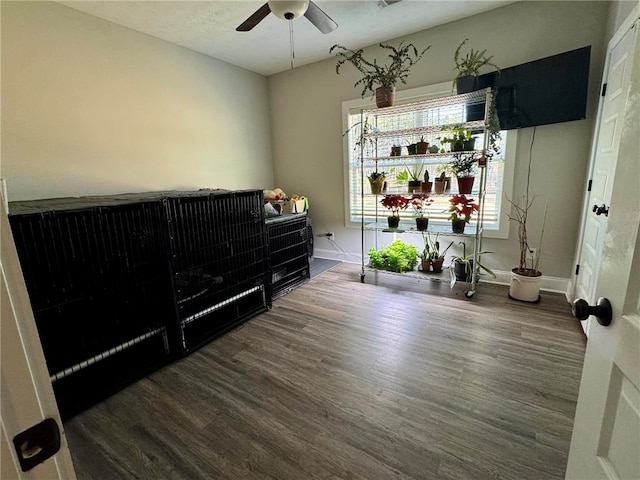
{"points": [[547, 284]]}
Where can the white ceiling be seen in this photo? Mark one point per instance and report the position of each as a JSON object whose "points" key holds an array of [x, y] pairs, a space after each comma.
{"points": [[209, 26]]}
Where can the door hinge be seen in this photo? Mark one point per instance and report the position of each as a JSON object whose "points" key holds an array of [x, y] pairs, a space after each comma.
{"points": [[604, 89], [589, 185], [577, 269]]}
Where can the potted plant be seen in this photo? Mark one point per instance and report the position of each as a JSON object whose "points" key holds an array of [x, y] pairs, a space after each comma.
{"points": [[461, 208], [376, 181], [440, 182], [396, 150], [463, 167], [468, 68], [395, 257], [461, 267], [432, 258], [412, 148], [459, 138], [426, 184], [526, 277], [422, 147], [420, 202], [386, 77], [394, 203]]}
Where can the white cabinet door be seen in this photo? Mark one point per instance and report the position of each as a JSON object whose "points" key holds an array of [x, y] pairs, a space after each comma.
{"points": [[606, 435]]}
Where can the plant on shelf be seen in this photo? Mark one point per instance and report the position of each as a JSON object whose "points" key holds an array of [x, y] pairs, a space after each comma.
{"points": [[441, 182], [414, 175], [385, 77], [461, 208], [459, 137], [463, 166], [432, 258], [468, 65], [426, 183], [395, 257], [420, 202], [376, 180], [422, 146], [394, 203], [461, 267]]}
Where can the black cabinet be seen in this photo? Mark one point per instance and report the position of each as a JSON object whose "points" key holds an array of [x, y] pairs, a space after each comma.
{"points": [[288, 239]]}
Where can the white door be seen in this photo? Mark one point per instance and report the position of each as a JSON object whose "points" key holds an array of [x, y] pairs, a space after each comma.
{"points": [[606, 436], [605, 151], [25, 390]]}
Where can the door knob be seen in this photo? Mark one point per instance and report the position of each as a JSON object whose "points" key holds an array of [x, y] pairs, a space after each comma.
{"points": [[599, 210], [602, 311]]}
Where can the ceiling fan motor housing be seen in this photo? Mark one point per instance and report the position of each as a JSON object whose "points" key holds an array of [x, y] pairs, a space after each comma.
{"points": [[288, 9]]}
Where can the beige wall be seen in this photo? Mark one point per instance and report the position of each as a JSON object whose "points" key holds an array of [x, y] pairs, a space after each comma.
{"points": [[307, 124], [89, 107]]}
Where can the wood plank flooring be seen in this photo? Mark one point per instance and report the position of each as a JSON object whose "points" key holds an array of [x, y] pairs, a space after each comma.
{"points": [[392, 378]]}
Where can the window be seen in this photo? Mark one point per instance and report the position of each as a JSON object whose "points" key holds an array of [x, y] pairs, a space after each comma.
{"points": [[499, 170]]}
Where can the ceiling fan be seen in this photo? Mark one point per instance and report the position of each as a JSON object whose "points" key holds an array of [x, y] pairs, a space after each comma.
{"points": [[288, 10]]}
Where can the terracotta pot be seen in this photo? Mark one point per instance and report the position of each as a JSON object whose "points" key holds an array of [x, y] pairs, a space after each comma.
{"points": [[425, 266], [385, 97], [465, 184], [422, 148], [458, 225], [393, 221], [436, 264], [426, 187], [422, 223], [439, 186]]}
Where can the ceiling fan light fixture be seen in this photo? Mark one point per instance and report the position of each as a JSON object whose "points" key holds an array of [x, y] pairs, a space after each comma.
{"points": [[288, 9]]}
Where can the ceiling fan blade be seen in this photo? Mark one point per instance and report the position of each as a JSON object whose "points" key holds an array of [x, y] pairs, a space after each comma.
{"points": [[321, 20], [254, 19]]}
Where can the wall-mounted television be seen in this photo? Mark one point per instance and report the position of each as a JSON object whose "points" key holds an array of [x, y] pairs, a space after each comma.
{"points": [[541, 92]]}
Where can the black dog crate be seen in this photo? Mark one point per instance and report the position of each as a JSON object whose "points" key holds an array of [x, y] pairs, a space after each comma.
{"points": [[98, 282], [218, 262], [288, 253]]}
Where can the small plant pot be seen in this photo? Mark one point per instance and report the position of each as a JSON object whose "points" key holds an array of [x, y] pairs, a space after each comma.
{"points": [[434, 149], [465, 184], [422, 148], [469, 145], [412, 149], [436, 264], [415, 186], [425, 266], [385, 97], [393, 221], [457, 146], [422, 223], [461, 273], [396, 151], [457, 225], [439, 186], [426, 187], [377, 185]]}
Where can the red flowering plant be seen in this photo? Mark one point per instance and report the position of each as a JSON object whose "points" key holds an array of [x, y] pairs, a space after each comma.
{"points": [[395, 203], [462, 208], [420, 202]]}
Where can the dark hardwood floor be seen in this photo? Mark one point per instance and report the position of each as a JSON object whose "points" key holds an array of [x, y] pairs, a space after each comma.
{"points": [[394, 378]]}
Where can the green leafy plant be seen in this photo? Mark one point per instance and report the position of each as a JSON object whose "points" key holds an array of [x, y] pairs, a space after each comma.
{"points": [[376, 175], [397, 70], [395, 257], [462, 165], [471, 62], [467, 261], [431, 250], [414, 172]]}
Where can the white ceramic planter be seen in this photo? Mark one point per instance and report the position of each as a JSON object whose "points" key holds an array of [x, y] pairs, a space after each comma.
{"points": [[525, 288]]}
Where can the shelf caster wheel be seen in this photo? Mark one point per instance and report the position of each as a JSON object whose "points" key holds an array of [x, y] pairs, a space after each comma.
{"points": [[469, 293], [362, 278]]}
